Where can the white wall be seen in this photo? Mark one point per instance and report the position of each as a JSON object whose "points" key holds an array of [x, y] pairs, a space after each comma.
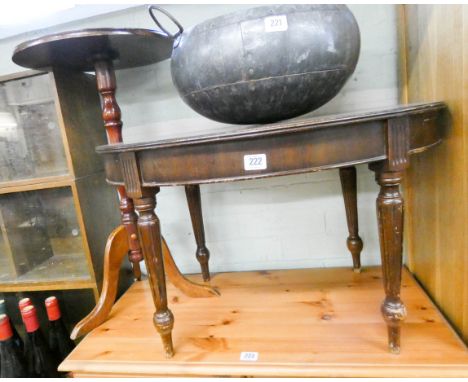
{"points": [[285, 222]]}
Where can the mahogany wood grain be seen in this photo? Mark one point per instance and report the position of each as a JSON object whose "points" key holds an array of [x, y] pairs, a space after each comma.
{"points": [[383, 138], [390, 222], [116, 249], [349, 188], [192, 193], [389, 175], [182, 283], [111, 114], [77, 50], [150, 233], [291, 147]]}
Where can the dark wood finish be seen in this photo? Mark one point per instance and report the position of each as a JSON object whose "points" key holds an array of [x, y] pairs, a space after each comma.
{"points": [[182, 283], [101, 50], [349, 187], [78, 50], [194, 202], [111, 114], [150, 233], [106, 84], [291, 147], [390, 221], [116, 249], [390, 208], [384, 139], [104, 50]]}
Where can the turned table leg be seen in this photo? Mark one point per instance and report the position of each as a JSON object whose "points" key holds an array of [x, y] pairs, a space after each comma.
{"points": [[151, 243], [389, 175], [106, 84], [354, 242], [194, 202], [390, 221]]}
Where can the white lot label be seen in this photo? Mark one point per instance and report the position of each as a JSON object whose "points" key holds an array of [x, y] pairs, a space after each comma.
{"points": [[277, 23], [255, 162], [251, 356]]}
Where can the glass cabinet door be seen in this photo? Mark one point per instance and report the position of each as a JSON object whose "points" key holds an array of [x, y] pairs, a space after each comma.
{"points": [[40, 238], [31, 143]]}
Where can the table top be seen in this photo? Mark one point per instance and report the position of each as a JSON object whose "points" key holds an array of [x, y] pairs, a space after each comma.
{"points": [[229, 132], [303, 322], [289, 147], [78, 50]]}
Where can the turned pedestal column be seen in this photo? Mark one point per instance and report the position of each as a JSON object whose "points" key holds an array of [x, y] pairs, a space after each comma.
{"points": [[106, 84]]}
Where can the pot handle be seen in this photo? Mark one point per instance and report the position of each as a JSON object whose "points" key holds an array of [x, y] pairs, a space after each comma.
{"points": [[152, 8]]}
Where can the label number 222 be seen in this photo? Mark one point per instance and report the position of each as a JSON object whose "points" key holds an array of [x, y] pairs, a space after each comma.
{"points": [[255, 162]]}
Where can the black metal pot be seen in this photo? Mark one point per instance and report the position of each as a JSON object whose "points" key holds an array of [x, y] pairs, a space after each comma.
{"points": [[264, 64]]}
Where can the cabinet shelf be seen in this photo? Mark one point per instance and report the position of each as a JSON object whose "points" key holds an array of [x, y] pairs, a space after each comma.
{"points": [[35, 184], [71, 267], [47, 286], [56, 211]]}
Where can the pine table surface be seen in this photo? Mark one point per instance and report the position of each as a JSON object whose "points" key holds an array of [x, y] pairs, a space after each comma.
{"points": [[303, 322]]}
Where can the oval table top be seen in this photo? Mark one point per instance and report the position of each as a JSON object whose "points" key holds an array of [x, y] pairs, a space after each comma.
{"points": [[78, 50], [288, 147]]}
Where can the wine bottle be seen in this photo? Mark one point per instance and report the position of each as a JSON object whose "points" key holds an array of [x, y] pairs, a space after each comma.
{"points": [[12, 362], [16, 337], [40, 360], [24, 302], [59, 338]]}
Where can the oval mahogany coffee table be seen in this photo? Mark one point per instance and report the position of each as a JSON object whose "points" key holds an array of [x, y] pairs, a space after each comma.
{"points": [[384, 139]]}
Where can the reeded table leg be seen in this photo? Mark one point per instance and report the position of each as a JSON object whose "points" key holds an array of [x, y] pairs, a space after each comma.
{"points": [[390, 221], [354, 242], [151, 244], [106, 84], [194, 202]]}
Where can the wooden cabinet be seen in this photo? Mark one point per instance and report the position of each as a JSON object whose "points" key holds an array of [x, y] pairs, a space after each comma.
{"points": [[55, 209]]}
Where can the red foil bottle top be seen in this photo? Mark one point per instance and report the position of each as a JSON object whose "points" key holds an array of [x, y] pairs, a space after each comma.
{"points": [[53, 309], [5, 328], [24, 302], [30, 320]]}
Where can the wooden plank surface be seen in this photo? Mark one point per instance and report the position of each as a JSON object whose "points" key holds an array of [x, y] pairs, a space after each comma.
{"points": [[309, 322], [437, 69]]}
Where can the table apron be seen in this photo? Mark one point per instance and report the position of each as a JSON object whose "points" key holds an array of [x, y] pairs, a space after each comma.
{"points": [[286, 153]]}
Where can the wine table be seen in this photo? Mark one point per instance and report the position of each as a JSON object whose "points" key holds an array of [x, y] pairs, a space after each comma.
{"points": [[103, 51]]}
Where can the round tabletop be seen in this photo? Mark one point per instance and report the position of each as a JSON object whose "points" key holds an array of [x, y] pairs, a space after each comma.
{"points": [[78, 50]]}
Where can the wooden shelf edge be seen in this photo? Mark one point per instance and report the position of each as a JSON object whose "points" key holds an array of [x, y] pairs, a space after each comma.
{"points": [[174, 369], [44, 286], [21, 74], [35, 184]]}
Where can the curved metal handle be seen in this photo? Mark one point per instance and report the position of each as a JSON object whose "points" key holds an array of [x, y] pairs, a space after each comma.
{"points": [[151, 8]]}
